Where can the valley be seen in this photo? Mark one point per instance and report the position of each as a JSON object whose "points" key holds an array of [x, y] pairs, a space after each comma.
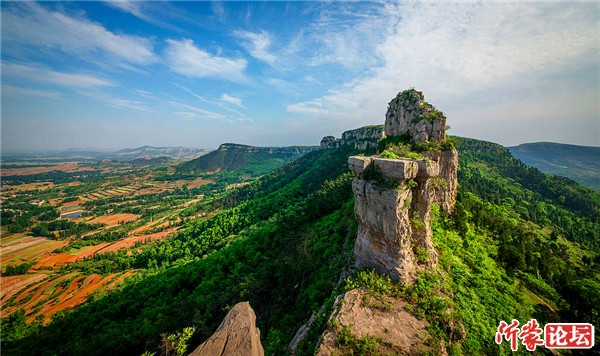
{"points": [[58, 221], [181, 251]]}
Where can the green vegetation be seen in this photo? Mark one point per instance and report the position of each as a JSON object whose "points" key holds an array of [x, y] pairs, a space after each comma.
{"points": [[404, 146], [282, 241], [243, 160], [579, 163], [14, 270], [352, 345]]}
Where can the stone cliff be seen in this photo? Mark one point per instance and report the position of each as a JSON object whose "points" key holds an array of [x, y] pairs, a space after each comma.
{"points": [[409, 113], [394, 195], [237, 335], [364, 138]]}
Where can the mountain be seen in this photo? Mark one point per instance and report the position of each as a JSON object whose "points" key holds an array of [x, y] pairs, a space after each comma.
{"points": [[152, 161], [254, 161], [519, 244], [179, 153], [580, 163], [283, 241]]}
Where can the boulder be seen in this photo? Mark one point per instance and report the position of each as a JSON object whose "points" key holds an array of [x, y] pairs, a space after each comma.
{"points": [[237, 335]]}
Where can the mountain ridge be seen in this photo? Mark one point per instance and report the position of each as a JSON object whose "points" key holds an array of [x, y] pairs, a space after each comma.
{"points": [[579, 163]]}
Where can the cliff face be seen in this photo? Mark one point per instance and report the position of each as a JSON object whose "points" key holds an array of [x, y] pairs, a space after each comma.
{"points": [[363, 138], [393, 197], [409, 113], [237, 335]]}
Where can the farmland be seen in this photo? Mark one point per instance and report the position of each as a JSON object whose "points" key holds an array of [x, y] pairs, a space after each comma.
{"points": [[60, 218]]}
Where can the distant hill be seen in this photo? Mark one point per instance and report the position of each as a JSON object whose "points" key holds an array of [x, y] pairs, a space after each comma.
{"points": [[579, 163], [145, 152], [126, 154], [254, 161], [151, 161]]}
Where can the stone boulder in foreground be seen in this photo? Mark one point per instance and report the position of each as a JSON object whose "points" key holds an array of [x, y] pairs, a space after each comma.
{"points": [[236, 336]]}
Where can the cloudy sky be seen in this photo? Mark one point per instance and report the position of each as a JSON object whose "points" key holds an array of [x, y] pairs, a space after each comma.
{"points": [[110, 75]]}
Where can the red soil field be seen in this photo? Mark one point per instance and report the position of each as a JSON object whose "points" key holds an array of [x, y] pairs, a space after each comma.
{"points": [[130, 242], [13, 284], [199, 182], [80, 289], [31, 252], [65, 167], [114, 219]]}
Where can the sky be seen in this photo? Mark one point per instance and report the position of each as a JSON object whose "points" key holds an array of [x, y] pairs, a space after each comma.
{"points": [[109, 75]]}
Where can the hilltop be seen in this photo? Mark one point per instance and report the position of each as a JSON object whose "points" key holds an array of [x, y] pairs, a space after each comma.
{"points": [[580, 163], [249, 160]]}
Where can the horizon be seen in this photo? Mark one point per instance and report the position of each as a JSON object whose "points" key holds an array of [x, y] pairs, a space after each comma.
{"points": [[114, 150], [199, 74]]}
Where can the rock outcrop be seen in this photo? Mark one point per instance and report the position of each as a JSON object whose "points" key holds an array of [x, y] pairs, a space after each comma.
{"points": [[364, 138], [237, 335], [398, 332], [393, 197], [409, 113]]}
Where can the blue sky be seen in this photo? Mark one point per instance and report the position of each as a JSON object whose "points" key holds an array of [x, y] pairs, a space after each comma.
{"points": [[110, 75]]}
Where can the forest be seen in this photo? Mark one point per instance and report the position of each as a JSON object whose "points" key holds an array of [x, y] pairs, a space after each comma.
{"points": [[520, 244]]}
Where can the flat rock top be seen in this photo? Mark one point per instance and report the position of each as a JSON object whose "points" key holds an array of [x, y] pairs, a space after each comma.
{"points": [[399, 331], [237, 335]]}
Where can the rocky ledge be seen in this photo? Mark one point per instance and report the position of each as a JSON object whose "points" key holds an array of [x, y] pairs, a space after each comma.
{"points": [[393, 197]]}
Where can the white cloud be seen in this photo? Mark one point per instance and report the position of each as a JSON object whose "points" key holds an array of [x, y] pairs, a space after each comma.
{"points": [[131, 7], [187, 116], [205, 114], [469, 55], [127, 104], [9, 90], [45, 75], [232, 100], [30, 23], [257, 44], [185, 58], [309, 108]]}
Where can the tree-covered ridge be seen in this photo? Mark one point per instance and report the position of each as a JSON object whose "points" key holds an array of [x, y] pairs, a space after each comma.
{"points": [[569, 209], [246, 160], [283, 241], [291, 258], [579, 163]]}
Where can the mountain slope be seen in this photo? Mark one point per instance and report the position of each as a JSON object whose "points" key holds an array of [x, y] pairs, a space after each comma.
{"points": [[180, 153], [283, 241], [254, 161], [580, 163]]}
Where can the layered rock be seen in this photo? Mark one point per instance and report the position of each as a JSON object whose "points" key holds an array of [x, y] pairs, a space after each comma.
{"points": [[446, 187], [237, 335], [392, 210], [393, 197], [409, 113], [364, 138]]}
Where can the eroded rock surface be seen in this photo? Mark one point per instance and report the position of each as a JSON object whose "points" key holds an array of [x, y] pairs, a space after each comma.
{"points": [[363, 138], [393, 197], [409, 113], [398, 331], [237, 335]]}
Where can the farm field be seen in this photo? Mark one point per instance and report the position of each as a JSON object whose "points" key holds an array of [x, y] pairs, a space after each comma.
{"points": [[54, 231]]}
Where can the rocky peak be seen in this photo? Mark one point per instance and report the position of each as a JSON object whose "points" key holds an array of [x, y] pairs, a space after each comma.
{"points": [[237, 335], [409, 113], [394, 195]]}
